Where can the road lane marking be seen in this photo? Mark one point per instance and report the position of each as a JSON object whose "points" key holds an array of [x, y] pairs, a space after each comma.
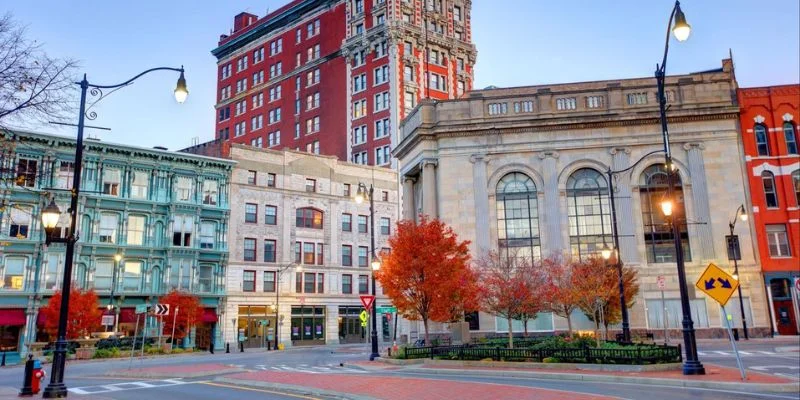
{"points": [[722, 353], [769, 353], [261, 390], [122, 386], [745, 353]]}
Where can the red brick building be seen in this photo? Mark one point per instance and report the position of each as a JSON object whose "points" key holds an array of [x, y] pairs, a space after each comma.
{"points": [[336, 77], [769, 123]]}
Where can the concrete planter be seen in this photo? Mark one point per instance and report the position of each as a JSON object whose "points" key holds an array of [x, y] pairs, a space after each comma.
{"points": [[87, 349], [37, 349]]}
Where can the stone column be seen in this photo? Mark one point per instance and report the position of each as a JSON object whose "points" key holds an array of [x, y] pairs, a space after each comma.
{"points": [[624, 202], [481, 198], [551, 212], [702, 214], [408, 198], [429, 188]]}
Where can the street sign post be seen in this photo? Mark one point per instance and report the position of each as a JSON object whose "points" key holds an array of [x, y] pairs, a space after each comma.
{"points": [[386, 309], [141, 308], [661, 281], [720, 285], [107, 320], [367, 301], [363, 317]]}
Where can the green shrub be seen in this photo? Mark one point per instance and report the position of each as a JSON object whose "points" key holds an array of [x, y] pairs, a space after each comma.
{"points": [[550, 360], [153, 350], [177, 351]]}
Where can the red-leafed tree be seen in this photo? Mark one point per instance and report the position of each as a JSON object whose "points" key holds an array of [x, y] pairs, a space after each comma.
{"points": [[536, 299], [188, 309], [427, 274], [561, 298], [84, 314], [612, 313], [593, 284], [504, 286]]}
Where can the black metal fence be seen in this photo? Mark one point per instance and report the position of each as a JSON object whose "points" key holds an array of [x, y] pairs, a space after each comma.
{"points": [[636, 355]]}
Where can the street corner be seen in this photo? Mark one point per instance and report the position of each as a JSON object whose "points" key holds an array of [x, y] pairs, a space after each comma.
{"points": [[176, 371], [396, 388]]}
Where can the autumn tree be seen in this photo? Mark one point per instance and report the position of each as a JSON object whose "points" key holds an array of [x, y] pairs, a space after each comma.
{"points": [[612, 314], [535, 300], [84, 314], [592, 282], [427, 274], [188, 309], [33, 86], [561, 298]]}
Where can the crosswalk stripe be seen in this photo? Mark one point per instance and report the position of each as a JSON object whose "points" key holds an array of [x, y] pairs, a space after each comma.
{"points": [[745, 353], [700, 353], [769, 353], [722, 352]]}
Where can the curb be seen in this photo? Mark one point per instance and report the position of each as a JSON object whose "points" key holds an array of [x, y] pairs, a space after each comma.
{"points": [[300, 390], [793, 387], [787, 349], [159, 375], [557, 366]]}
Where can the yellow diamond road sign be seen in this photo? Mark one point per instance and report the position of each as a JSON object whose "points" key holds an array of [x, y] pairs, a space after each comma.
{"points": [[717, 283]]}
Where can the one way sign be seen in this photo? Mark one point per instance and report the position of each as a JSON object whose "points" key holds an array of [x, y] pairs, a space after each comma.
{"points": [[717, 283], [161, 309]]}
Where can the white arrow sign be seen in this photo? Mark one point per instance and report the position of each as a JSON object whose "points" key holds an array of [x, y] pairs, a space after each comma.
{"points": [[161, 309]]}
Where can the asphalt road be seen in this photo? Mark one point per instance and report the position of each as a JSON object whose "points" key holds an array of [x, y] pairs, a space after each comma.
{"points": [[760, 356]]}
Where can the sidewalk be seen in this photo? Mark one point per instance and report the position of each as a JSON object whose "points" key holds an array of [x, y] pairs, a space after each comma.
{"points": [[171, 371], [396, 388]]}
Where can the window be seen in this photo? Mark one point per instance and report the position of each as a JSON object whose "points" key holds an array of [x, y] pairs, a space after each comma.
{"points": [[523, 106], [498, 108], [381, 75], [182, 230], [19, 222], [362, 256], [359, 108], [362, 224], [308, 253], [132, 276], [408, 73], [312, 125], [298, 35], [359, 28], [778, 241], [183, 188], [250, 213], [274, 138], [108, 228], [460, 88], [385, 224], [457, 13], [409, 101], [66, 174], [791, 138], [309, 218], [360, 135], [103, 272], [360, 158], [249, 281], [270, 180], [588, 212], [762, 141], [111, 181], [359, 58], [796, 184], [14, 274], [381, 101], [275, 93], [347, 222], [379, 20], [180, 274], [384, 196], [347, 284], [224, 133], [438, 82], [312, 53], [251, 177], [224, 94], [568, 103], [241, 85], [320, 254], [240, 128], [433, 57], [382, 128], [205, 279], [275, 115], [311, 185], [347, 255], [771, 197], [207, 233], [241, 64], [382, 155], [269, 250], [269, 281], [658, 235], [594, 101], [210, 192], [637, 98], [225, 71], [249, 249], [312, 101], [408, 47], [256, 123], [271, 215], [518, 216], [359, 83], [312, 28], [257, 142], [346, 190], [258, 55], [136, 230], [363, 284], [258, 78]]}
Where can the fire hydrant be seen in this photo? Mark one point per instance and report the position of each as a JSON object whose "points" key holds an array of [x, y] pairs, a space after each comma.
{"points": [[38, 376]]}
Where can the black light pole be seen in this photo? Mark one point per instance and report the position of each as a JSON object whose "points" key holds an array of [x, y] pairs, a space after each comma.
{"points": [[111, 303], [740, 213], [376, 265], [56, 388], [277, 299], [681, 29]]}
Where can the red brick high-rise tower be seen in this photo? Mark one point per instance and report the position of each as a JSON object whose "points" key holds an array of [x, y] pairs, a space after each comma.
{"points": [[336, 77]]}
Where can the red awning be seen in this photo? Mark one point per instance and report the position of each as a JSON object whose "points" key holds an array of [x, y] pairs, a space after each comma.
{"points": [[127, 315], [40, 318], [209, 315], [12, 317]]}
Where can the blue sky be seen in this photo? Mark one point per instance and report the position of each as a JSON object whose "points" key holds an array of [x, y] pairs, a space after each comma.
{"points": [[520, 42]]}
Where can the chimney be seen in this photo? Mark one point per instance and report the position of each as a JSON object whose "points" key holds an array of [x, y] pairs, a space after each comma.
{"points": [[243, 20]]}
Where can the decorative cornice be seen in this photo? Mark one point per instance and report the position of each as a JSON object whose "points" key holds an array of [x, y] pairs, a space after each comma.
{"points": [[615, 150], [689, 146], [548, 153], [479, 157]]}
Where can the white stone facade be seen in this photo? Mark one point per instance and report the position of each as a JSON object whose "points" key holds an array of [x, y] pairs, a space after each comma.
{"points": [[453, 154], [290, 171]]}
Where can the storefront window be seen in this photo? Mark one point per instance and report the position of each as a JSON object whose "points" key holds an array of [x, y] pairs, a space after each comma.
{"points": [[308, 325]]}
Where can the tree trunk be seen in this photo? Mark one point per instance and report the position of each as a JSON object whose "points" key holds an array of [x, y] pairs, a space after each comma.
{"points": [[569, 324], [425, 324], [510, 334], [525, 326], [597, 328]]}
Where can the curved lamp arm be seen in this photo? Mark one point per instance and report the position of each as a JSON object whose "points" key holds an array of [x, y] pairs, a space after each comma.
{"points": [[634, 164], [129, 81]]}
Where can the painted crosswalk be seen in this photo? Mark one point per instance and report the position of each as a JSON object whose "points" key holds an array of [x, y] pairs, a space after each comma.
{"points": [[748, 353], [311, 369], [119, 387]]}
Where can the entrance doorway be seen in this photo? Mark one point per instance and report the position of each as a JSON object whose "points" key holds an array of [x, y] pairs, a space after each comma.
{"points": [[785, 318], [256, 324], [350, 329]]}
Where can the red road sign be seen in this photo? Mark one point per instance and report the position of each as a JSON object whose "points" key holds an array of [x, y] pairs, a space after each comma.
{"points": [[367, 301]]}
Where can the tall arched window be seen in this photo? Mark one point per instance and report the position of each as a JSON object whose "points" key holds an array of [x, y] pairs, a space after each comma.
{"points": [[658, 236], [589, 213], [762, 142], [770, 195], [309, 218], [791, 137], [155, 275], [518, 216], [796, 183]]}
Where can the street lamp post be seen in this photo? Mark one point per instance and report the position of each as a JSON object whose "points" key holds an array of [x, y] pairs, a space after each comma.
{"points": [[363, 191], [56, 388], [740, 214], [681, 30], [111, 303], [277, 300]]}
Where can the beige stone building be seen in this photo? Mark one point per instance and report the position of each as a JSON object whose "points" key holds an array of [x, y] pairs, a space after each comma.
{"points": [[297, 238], [524, 168]]}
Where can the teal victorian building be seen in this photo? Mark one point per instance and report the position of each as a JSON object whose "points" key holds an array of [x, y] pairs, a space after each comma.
{"points": [[150, 221]]}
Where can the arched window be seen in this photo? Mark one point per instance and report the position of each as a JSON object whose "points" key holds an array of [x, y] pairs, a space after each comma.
{"points": [[770, 195], [309, 218], [796, 183], [157, 278], [791, 138], [589, 213], [762, 142], [518, 216], [658, 236]]}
